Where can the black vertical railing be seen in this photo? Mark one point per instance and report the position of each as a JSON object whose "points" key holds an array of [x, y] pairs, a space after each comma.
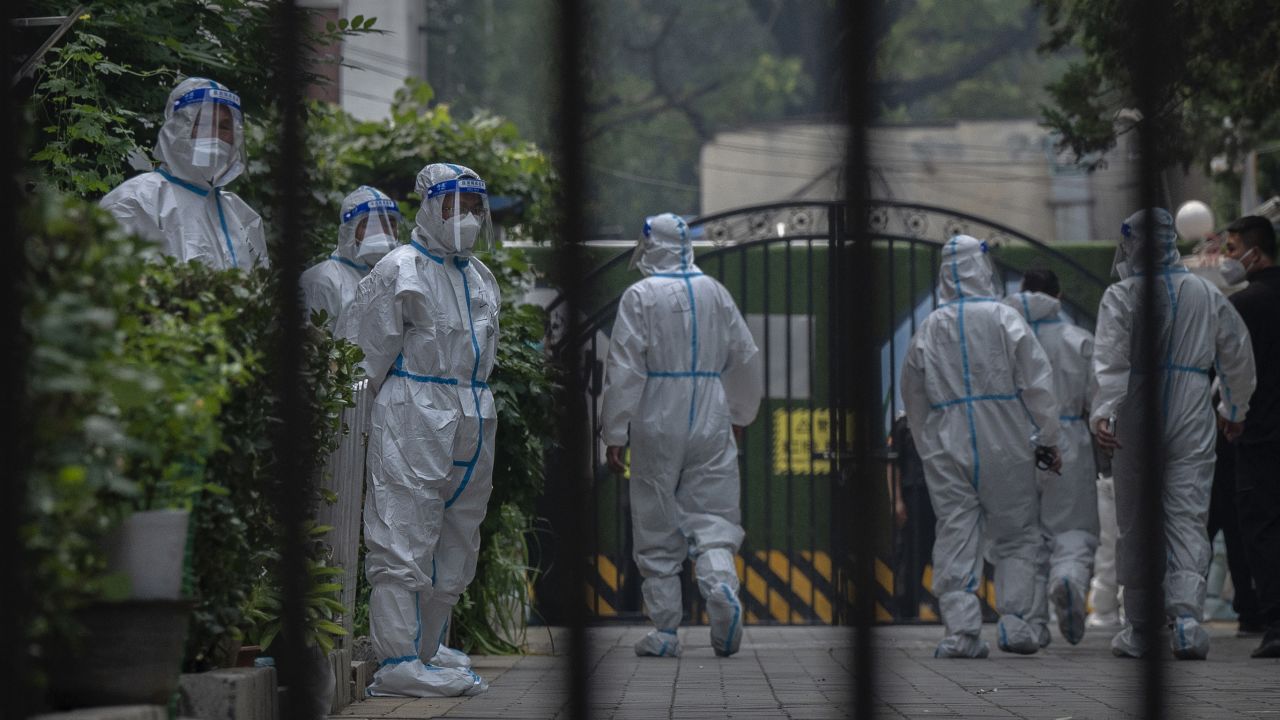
{"points": [[571, 485], [293, 454], [1148, 66], [854, 298], [15, 447]]}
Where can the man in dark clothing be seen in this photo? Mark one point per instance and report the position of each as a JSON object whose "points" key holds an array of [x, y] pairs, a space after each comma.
{"points": [[1251, 243], [914, 519], [1224, 516]]}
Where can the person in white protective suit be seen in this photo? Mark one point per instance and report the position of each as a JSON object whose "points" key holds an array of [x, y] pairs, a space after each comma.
{"points": [[1068, 501], [680, 382], [369, 229], [978, 388], [1199, 333], [426, 317], [183, 205]]}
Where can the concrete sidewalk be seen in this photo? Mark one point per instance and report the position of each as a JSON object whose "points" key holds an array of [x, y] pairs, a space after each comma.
{"points": [[803, 672]]}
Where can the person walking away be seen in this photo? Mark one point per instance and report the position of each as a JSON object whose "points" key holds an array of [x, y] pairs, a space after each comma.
{"points": [[680, 383], [978, 390], [1068, 501], [1197, 331]]}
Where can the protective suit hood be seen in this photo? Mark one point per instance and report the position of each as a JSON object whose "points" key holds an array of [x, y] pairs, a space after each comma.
{"points": [[189, 147], [380, 215], [664, 246], [965, 270], [1035, 306], [1134, 231], [462, 233]]}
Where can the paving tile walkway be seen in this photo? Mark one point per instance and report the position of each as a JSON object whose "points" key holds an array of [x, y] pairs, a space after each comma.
{"points": [[803, 673]]}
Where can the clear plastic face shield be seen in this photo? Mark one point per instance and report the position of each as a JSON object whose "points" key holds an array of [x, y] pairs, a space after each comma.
{"points": [[376, 228], [217, 129], [461, 206]]}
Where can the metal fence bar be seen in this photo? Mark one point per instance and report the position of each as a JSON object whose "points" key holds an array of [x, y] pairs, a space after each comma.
{"points": [[16, 602], [1148, 72], [573, 484], [345, 479], [291, 437], [852, 256]]}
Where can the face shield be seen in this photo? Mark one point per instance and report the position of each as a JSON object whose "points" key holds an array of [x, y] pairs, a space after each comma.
{"points": [[459, 209], [375, 225], [213, 146]]}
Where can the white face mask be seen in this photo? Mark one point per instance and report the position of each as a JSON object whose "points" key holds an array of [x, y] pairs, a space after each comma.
{"points": [[461, 231], [374, 247], [1233, 270], [212, 158]]}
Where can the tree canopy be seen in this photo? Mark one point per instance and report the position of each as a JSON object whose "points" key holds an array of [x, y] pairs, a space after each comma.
{"points": [[1222, 75]]}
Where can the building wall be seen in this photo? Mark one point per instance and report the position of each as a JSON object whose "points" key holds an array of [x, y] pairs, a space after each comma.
{"points": [[375, 65], [1003, 170]]}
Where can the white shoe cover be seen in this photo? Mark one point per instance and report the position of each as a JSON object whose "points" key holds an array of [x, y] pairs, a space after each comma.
{"points": [[962, 646], [659, 643], [1068, 603], [450, 658], [1189, 640], [414, 679], [725, 612], [1042, 634], [1128, 643], [1015, 635], [1103, 621]]}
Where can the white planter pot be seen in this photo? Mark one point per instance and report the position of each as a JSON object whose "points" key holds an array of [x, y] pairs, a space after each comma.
{"points": [[149, 548]]}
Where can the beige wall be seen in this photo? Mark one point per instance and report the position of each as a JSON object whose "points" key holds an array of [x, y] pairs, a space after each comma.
{"points": [[1002, 170]]}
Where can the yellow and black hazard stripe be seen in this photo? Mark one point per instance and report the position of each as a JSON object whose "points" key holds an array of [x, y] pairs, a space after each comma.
{"points": [[777, 589]]}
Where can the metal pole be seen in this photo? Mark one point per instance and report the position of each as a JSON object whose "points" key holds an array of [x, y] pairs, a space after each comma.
{"points": [[1149, 81], [15, 607], [292, 446], [854, 293], [574, 432]]}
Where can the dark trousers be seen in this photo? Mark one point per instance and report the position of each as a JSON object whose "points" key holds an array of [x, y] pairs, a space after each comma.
{"points": [[1223, 516], [1258, 503], [914, 550]]}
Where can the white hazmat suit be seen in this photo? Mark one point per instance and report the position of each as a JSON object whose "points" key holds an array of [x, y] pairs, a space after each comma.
{"points": [[427, 319], [368, 231], [1199, 332], [1068, 501], [978, 391], [680, 374], [182, 205]]}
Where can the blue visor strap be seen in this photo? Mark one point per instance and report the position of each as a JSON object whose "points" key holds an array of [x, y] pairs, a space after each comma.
{"points": [[467, 185], [379, 204], [214, 95]]}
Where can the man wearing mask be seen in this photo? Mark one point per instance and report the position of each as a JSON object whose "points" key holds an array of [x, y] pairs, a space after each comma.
{"points": [[1198, 332], [1069, 500], [680, 383], [426, 317], [1251, 249], [978, 391], [182, 205], [369, 229]]}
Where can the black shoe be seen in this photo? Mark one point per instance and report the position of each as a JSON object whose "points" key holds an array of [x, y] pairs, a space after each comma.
{"points": [[1270, 647], [1250, 628]]}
